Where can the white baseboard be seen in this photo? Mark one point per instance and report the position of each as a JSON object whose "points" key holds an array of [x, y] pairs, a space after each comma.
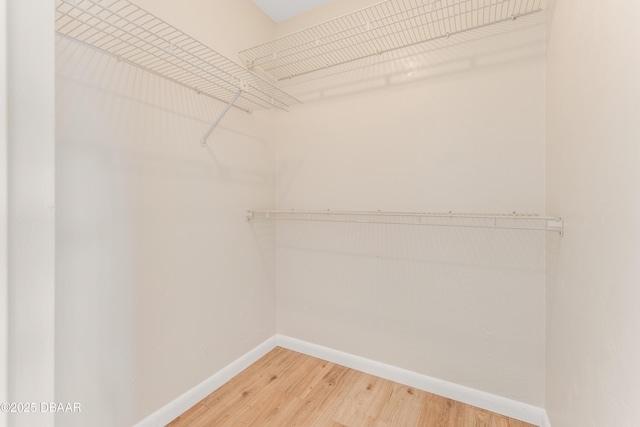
{"points": [[173, 409], [500, 405], [510, 408]]}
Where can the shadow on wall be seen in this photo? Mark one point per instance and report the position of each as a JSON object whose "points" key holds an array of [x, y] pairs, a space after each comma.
{"points": [[486, 47], [456, 123], [460, 304], [264, 235], [149, 229], [149, 100]]}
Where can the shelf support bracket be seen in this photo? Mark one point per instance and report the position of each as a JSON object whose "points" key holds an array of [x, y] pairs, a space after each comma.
{"points": [[556, 225], [243, 87]]}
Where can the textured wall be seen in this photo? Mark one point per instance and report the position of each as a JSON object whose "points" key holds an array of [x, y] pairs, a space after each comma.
{"points": [[31, 207], [4, 213], [160, 280], [454, 125], [593, 321]]}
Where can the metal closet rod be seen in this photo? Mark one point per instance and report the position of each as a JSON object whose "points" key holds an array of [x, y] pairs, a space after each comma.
{"points": [[514, 221]]}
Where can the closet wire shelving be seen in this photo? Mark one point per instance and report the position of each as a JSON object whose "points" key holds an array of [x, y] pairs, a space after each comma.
{"points": [[514, 221], [132, 35], [382, 27]]}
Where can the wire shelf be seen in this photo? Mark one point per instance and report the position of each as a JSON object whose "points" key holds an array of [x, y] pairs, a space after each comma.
{"points": [[445, 219], [385, 26], [133, 35]]}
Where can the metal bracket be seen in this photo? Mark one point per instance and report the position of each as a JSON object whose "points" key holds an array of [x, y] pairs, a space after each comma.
{"points": [[556, 225], [243, 87]]}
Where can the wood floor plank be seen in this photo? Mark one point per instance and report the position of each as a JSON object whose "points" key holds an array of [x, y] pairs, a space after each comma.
{"points": [[273, 409], [189, 417], [324, 395], [402, 406], [331, 386], [364, 400], [243, 390], [305, 377], [285, 388], [440, 411], [475, 418]]}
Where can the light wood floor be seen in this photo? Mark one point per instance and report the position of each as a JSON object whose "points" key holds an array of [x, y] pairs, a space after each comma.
{"points": [[286, 389]]}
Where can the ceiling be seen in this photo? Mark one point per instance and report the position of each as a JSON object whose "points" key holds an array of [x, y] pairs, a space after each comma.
{"points": [[279, 10]]}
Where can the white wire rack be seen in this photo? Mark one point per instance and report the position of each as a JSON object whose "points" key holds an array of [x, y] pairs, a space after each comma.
{"points": [[385, 26], [500, 221], [133, 35]]}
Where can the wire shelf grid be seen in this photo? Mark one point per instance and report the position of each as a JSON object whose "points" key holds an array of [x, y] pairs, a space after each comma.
{"points": [[512, 221], [385, 26], [133, 35]]}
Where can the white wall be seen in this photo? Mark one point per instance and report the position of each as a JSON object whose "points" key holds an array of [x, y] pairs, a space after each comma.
{"points": [[455, 125], [4, 211], [593, 180], [160, 280], [31, 218], [150, 226]]}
